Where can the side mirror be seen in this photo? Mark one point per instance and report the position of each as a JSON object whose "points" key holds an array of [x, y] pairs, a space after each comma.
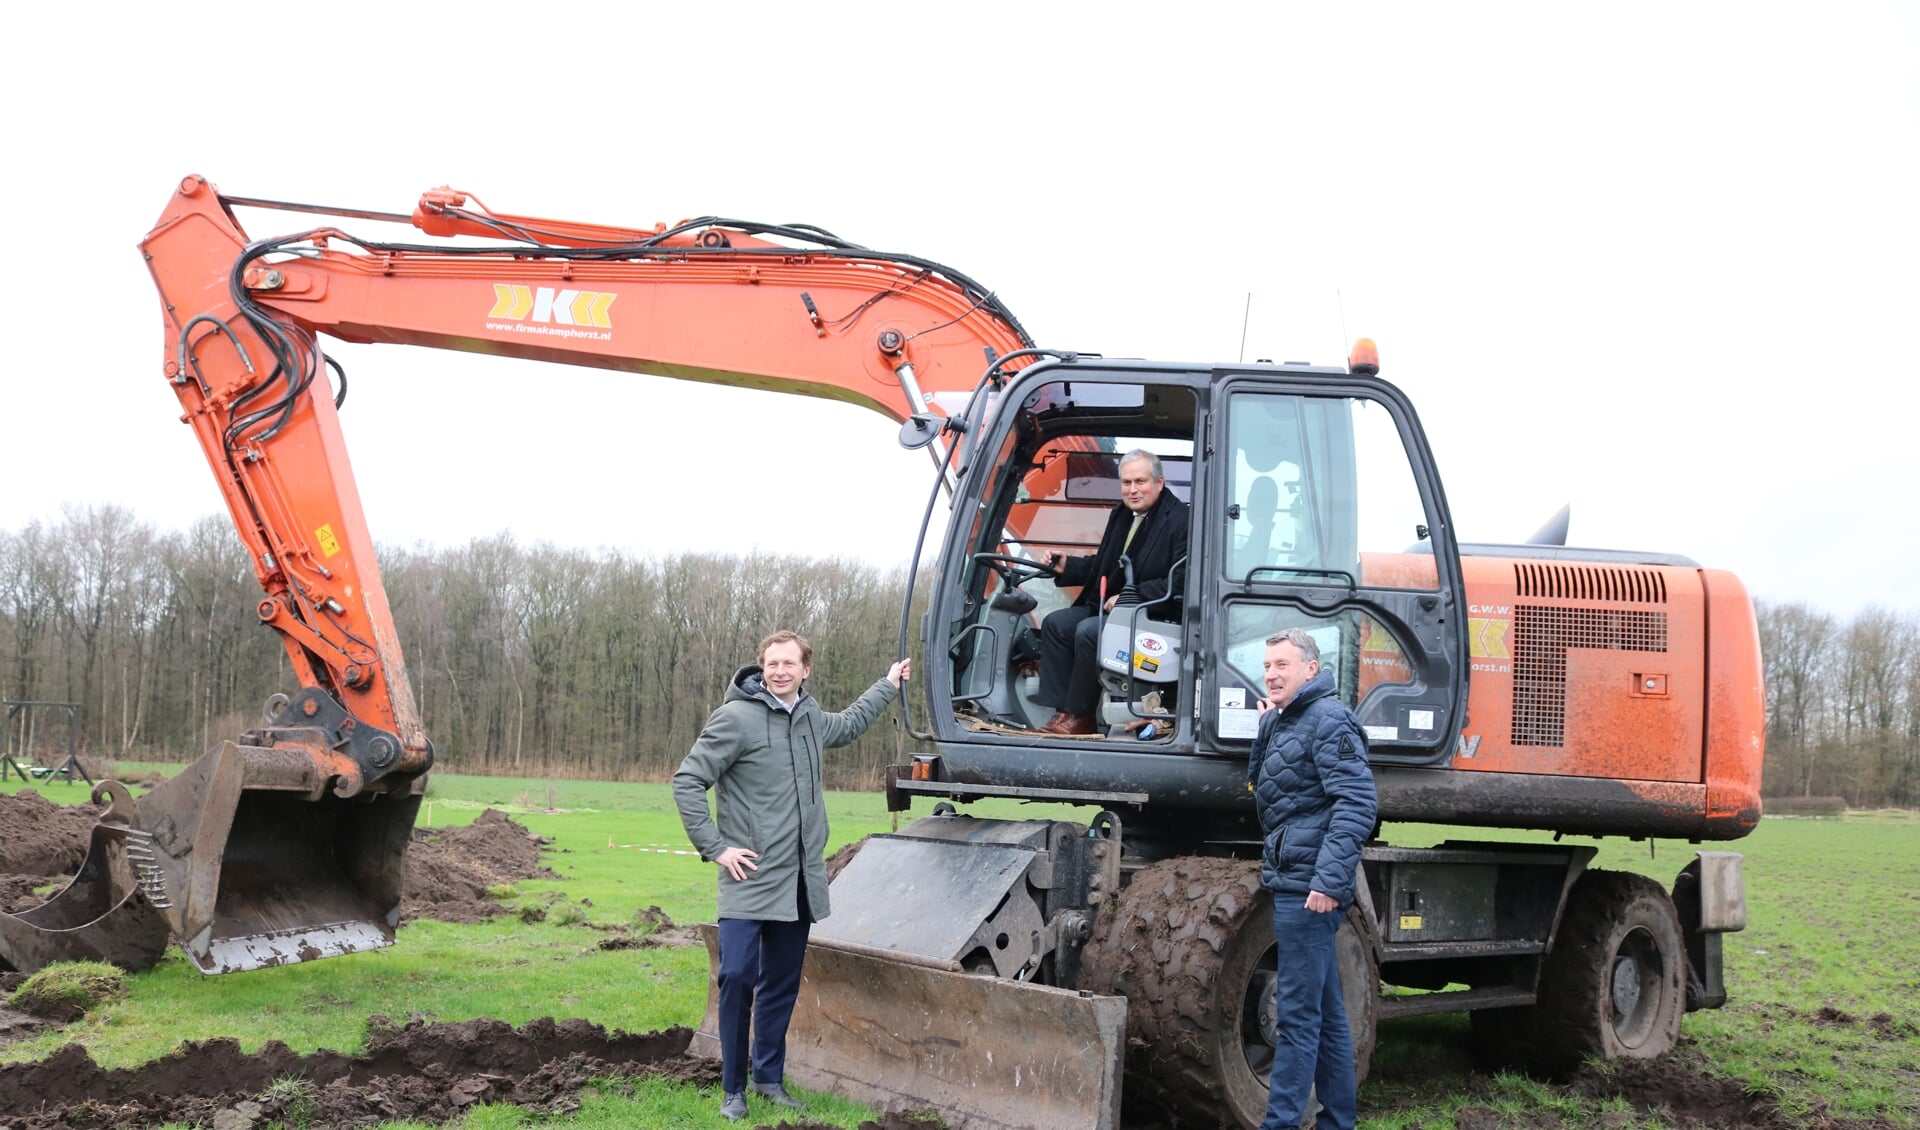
{"points": [[919, 431]]}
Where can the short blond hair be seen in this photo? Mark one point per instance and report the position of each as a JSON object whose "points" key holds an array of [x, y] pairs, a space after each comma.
{"points": [[785, 636]]}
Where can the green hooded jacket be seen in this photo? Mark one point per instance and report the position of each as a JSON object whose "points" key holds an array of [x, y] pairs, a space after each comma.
{"points": [[763, 765]]}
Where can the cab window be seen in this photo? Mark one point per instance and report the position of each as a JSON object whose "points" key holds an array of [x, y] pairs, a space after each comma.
{"points": [[1320, 492]]}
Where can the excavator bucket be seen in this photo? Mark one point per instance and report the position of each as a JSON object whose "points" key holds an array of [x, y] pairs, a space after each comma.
{"points": [[244, 856], [900, 1009], [263, 866]]}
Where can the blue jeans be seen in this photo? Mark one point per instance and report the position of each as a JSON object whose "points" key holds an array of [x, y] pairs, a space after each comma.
{"points": [[1313, 1053], [759, 982]]}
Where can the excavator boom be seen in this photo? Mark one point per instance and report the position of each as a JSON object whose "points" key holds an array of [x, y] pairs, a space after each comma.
{"points": [[287, 843]]}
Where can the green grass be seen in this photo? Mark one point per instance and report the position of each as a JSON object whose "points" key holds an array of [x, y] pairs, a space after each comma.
{"points": [[1834, 923], [1834, 908]]}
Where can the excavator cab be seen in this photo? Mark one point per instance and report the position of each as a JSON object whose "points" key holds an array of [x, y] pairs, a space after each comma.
{"points": [[1049, 488], [1309, 509]]}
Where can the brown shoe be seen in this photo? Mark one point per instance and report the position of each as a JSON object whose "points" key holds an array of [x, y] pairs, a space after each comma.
{"points": [[1070, 725]]}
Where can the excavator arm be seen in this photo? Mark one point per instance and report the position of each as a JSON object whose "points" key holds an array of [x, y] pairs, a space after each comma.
{"points": [[288, 843], [707, 300]]}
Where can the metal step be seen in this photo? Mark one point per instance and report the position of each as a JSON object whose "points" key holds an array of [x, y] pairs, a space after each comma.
{"points": [[1391, 952], [1457, 1000]]}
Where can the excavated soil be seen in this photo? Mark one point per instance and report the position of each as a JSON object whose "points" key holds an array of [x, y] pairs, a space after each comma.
{"points": [[40, 842], [419, 1072], [449, 870]]}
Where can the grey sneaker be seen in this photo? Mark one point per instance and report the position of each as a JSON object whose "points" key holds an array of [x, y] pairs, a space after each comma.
{"points": [[776, 1093], [733, 1107]]}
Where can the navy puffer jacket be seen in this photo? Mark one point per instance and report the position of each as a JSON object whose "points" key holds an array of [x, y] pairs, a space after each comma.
{"points": [[1314, 792]]}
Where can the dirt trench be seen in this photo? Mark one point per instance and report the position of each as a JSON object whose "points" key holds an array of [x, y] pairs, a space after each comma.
{"points": [[417, 1071]]}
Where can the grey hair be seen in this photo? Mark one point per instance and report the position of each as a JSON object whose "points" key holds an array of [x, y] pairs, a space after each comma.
{"points": [[1153, 462], [1309, 647]]}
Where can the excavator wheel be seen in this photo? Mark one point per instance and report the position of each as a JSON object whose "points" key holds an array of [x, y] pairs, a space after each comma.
{"points": [[1189, 943], [1614, 987]]}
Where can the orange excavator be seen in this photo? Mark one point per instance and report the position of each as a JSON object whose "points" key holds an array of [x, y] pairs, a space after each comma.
{"points": [[1008, 972]]}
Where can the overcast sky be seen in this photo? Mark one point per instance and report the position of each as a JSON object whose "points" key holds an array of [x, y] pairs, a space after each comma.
{"points": [[1656, 261]]}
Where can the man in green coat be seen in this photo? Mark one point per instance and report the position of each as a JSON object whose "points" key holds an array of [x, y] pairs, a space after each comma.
{"points": [[760, 754]]}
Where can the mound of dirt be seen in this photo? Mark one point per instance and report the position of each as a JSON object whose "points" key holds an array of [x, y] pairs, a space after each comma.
{"points": [[449, 870], [422, 1072], [418, 1072], [40, 841]]}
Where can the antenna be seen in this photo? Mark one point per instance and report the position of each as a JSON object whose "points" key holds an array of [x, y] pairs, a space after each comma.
{"points": [[1243, 327], [1340, 300]]}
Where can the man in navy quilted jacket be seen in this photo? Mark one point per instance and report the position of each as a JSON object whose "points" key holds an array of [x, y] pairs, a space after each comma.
{"points": [[1316, 800]]}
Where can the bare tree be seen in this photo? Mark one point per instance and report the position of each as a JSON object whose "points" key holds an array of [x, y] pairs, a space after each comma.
{"points": [[102, 544], [1795, 641], [32, 582]]}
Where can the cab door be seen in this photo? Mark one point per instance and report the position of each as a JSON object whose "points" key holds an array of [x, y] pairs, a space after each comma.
{"points": [[1323, 512]]}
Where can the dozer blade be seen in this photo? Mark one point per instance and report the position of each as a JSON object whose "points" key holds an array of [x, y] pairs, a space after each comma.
{"points": [[257, 864], [904, 1033], [100, 916]]}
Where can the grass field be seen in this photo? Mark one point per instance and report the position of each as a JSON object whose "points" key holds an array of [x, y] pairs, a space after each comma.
{"points": [[1824, 1016]]}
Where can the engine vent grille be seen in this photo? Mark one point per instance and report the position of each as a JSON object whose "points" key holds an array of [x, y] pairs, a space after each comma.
{"points": [[1590, 582], [1542, 638]]}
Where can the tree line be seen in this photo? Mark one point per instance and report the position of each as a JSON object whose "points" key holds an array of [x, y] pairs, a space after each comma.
{"points": [[525, 660], [544, 661], [1843, 704]]}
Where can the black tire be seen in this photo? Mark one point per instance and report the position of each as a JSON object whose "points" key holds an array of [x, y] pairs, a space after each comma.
{"points": [[1614, 987], [1188, 942]]}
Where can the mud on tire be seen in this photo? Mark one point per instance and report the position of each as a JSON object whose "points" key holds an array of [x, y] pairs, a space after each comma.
{"points": [[1184, 943], [1614, 986]]}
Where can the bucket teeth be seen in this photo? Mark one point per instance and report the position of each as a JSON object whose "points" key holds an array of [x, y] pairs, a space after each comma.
{"points": [[148, 876]]}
